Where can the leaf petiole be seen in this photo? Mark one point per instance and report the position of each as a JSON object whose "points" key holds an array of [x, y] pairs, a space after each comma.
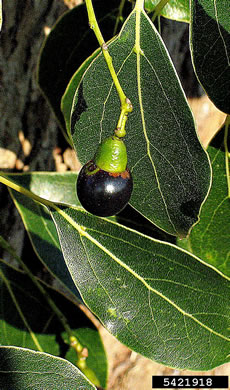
{"points": [[24, 191], [158, 9]]}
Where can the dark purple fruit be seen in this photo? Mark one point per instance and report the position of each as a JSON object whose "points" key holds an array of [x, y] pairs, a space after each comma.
{"points": [[103, 193]]}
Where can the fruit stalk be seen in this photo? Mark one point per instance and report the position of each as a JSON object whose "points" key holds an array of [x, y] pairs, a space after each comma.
{"points": [[126, 105]]}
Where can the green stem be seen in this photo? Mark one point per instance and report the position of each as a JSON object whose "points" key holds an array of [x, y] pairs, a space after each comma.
{"points": [[126, 105], [159, 24], [158, 9], [119, 16], [28, 193], [227, 124]]}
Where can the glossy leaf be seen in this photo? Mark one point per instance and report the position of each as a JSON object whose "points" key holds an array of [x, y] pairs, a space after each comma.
{"points": [[22, 368], [68, 45], [210, 238], [40, 227], [61, 188], [28, 321], [43, 237], [57, 187], [174, 9], [210, 48], [159, 300], [170, 169]]}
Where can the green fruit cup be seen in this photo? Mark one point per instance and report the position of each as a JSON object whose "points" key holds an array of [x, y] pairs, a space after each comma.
{"points": [[104, 184]]}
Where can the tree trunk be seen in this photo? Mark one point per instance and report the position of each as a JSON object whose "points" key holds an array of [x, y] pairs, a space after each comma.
{"points": [[28, 129]]}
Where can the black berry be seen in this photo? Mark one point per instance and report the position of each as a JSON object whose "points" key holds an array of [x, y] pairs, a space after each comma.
{"points": [[103, 193]]}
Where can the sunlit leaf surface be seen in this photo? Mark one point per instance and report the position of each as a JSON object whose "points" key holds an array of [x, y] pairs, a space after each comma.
{"points": [[174, 9], [170, 169], [25, 369], [159, 300]]}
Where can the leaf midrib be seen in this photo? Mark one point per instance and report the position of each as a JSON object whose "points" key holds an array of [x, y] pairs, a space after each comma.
{"points": [[139, 52], [19, 310], [82, 231], [162, 257], [221, 35]]}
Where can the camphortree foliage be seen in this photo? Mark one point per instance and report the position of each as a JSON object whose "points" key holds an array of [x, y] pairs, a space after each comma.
{"points": [[141, 235]]}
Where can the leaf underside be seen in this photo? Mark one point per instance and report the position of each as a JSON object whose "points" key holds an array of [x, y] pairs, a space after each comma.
{"points": [[159, 300], [170, 169], [37, 220], [22, 368]]}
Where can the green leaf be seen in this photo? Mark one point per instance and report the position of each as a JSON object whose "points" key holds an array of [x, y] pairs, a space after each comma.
{"points": [[159, 300], [210, 48], [18, 293], [43, 237], [67, 99], [25, 318], [174, 9], [28, 321], [68, 45], [57, 187], [50, 185], [210, 238], [170, 169], [24, 369]]}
